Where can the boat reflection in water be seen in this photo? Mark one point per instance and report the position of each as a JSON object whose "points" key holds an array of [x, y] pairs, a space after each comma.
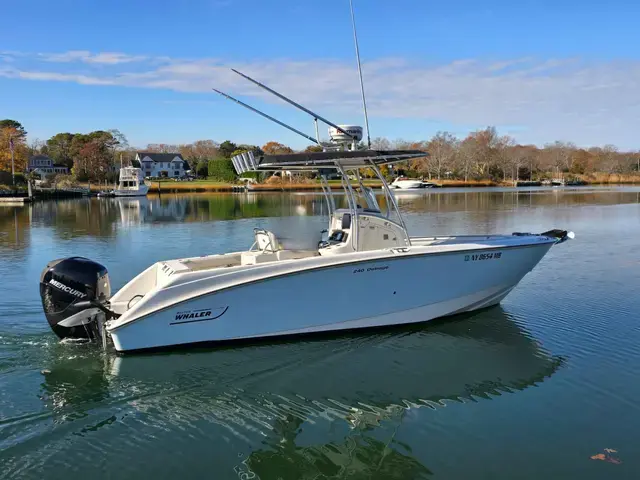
{"points": [[299, 408]]}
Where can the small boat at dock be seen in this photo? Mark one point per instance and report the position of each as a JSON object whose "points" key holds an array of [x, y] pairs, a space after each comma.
{"points": [[131, 184]]}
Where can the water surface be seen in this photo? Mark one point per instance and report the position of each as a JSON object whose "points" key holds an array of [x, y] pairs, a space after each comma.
{"points": [[529, 389]]}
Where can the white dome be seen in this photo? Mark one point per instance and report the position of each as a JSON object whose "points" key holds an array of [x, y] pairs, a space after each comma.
{"points": [[339, 137]]}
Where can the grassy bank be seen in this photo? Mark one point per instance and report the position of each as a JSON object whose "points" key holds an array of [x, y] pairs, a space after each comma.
{"points": [[202, 186], [609, 179]]}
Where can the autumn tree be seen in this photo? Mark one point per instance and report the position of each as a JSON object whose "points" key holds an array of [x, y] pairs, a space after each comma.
{"points": [[313, 148], [581, 162], [15, 126], [13, 133], [93, 155], [275, 148]]}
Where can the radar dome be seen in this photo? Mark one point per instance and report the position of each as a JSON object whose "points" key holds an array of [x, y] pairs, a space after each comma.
{"points": [[339, 137]]}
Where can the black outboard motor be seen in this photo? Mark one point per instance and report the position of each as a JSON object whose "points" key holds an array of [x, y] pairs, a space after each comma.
{"points": [[74, 292]]}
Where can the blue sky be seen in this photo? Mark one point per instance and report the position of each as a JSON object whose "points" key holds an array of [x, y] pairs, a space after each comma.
{"points": [[538, 70]]}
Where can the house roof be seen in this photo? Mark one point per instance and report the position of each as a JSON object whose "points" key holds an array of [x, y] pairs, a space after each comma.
{"points": [[40, 156], [160, 157]]}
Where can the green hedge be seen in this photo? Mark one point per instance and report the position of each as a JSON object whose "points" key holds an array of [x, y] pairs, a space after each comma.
{"points": [[221, 170], [5, 178], [202, 169]]}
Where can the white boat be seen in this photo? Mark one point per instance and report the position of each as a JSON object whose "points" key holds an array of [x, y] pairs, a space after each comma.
{"points": [[368, 272], [130, 184], [405, 183]]}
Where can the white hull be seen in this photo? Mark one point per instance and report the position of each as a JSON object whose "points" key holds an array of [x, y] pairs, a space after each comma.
{"points": [[417, 285], [138, 192], [408, 184]]}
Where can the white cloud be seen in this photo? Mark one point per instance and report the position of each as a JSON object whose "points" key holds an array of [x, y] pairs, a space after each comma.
{"points": [[541, 100], [107, 58], [62, 77]]}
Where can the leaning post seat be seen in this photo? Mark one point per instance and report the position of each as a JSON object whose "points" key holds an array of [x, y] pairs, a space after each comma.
{"points": [[265, 240], [267, 248]]}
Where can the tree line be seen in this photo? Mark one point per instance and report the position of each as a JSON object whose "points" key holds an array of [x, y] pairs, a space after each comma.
{"points": [[481, 155], [486, 155]]}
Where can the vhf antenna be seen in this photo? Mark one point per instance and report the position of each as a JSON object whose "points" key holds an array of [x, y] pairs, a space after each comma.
{"points": [[364, 102], [275, 120]]}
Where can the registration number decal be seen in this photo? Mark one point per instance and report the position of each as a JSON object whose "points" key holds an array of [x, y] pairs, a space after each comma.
{"points": [[483, 256], [371, 269]]}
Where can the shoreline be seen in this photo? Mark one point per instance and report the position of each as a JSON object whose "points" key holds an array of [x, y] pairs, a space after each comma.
{"points": [[206, 186]]}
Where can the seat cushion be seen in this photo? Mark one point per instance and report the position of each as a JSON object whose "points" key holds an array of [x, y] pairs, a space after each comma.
{"points": [[255, 257]]}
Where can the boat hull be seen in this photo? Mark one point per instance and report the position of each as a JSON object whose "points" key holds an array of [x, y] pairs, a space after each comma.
{"points": [[140, 192], [383, 292], [408, 184]]}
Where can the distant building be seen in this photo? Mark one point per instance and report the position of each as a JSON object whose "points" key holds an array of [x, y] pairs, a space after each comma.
{"points": [[170, 165], [44, 166]]}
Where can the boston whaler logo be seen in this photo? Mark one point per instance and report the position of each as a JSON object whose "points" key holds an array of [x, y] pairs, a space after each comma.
{"points": [[191, 316], [69, 290]]}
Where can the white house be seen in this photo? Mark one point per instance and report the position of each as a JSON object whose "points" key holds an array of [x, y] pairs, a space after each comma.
{"points": [[170, 165], [44, 166]]}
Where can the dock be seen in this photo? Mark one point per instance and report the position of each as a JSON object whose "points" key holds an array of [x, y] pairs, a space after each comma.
{"points": [[14, 200]]}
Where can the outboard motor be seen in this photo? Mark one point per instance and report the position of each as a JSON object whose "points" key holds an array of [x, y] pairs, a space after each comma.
{"points": [[74, 292]]}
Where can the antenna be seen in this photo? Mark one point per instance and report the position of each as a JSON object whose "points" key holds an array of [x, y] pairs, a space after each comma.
{"points": [[297, 105], [267, 116], [364, 102]]}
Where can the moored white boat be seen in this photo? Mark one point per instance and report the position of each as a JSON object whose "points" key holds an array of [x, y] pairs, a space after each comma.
{"points": [[130, 184], [405, 183]]}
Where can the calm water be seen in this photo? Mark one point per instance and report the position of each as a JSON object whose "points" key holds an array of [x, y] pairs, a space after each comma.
{"points": [[530, 389]]}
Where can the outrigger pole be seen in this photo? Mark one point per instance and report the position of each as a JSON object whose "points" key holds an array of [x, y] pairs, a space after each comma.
{"points": [[268, 116], [297, 105]]}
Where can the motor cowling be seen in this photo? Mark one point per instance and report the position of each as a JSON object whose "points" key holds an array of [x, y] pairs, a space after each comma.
{"points": [[70, 289]]}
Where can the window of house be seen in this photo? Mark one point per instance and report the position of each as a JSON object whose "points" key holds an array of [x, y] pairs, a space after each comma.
{"points": [[176, 173]]}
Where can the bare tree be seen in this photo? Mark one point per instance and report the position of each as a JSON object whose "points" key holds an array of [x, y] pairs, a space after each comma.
{"points": [[200, 150], [36, 146], [505, 156], [443, 149], [162, 148], [560, 156], [380, 143]]}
